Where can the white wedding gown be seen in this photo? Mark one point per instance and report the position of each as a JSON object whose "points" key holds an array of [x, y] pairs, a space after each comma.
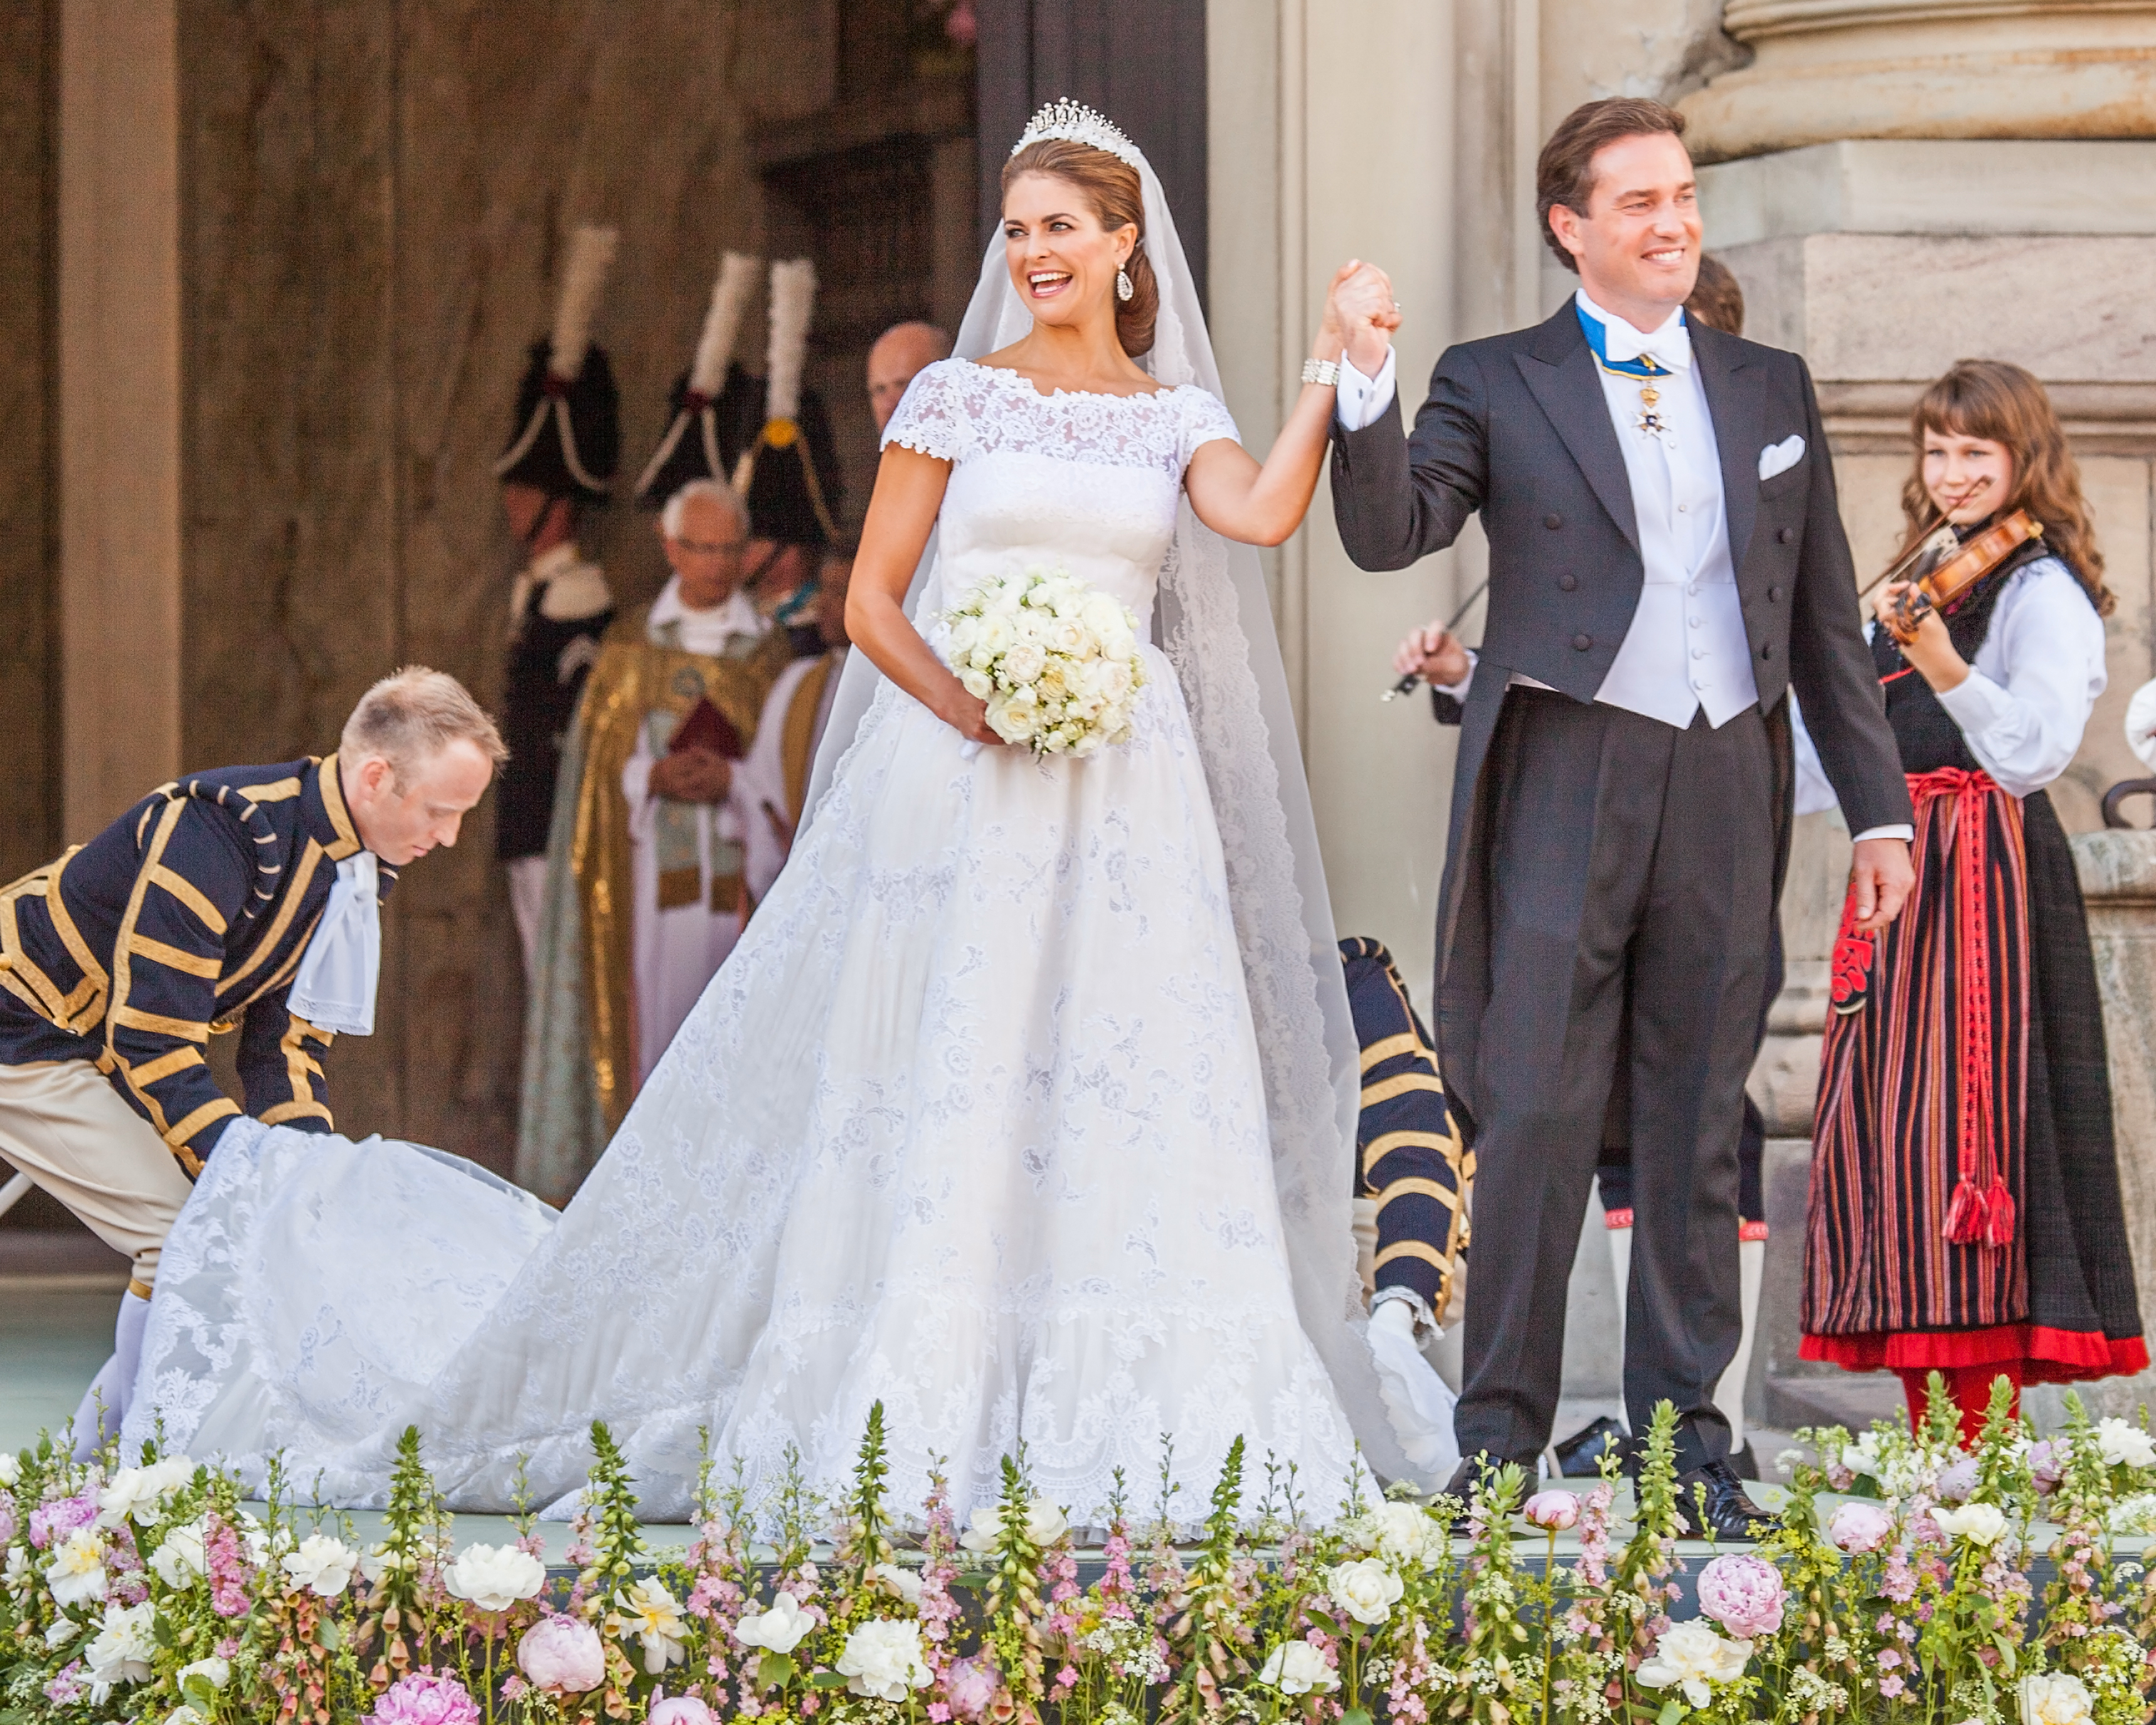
{"points": [[974, 1121]]}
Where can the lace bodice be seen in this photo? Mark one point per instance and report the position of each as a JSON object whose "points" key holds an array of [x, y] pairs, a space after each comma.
{"points": [[1083, 482]]}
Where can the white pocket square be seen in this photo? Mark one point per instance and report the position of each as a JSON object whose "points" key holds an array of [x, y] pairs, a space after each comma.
{"points": [[1781, 457]]}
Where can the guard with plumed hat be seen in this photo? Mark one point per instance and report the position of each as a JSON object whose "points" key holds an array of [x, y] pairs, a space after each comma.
{"points": [[564, 446]]}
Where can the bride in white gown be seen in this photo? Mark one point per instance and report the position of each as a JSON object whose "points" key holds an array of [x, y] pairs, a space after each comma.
{"points": [[1024, 1104]]}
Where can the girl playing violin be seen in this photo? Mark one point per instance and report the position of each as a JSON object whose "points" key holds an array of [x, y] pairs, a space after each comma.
{"points": [[1965, 1214]]}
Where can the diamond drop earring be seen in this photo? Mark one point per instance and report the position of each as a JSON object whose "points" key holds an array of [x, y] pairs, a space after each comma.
{"points": [[1123, 288]]}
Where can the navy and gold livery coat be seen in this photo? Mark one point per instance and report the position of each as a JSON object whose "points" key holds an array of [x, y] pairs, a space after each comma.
{"points": [[186, 917]]}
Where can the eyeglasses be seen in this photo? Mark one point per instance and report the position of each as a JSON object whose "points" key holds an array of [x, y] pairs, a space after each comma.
{"points": [[697, 547]]}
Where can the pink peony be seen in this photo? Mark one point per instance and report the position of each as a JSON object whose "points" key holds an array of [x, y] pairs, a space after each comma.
{"points": [[1957, 1480], [424, 1699], [2046, 1463], [681, 1710], [1859, 1526], [1742, 1594], [971, 1686], [52, 1523], [562, 1654], [1553, 1510]]}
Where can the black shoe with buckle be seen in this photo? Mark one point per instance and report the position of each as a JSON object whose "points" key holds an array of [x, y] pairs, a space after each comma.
{"points": [[1716, 1492]]}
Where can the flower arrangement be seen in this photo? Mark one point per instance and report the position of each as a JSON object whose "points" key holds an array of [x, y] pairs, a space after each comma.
{"points": [[1057, 663], [152, 1592]]}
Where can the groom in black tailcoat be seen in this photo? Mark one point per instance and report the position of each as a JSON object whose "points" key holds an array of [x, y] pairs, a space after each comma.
{"points": [[1666, 561]]}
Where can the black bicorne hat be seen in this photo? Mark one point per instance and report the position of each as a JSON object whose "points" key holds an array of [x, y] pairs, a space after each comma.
{"points": [[705, 436], [790, 474], [565, 438]]}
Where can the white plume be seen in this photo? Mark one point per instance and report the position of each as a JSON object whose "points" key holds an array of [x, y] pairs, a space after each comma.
{"points": [[793, 299], [723, 323], [591, 255]]}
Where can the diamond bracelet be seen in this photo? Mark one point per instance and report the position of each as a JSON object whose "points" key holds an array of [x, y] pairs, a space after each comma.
{"points": [[1326, 372]]}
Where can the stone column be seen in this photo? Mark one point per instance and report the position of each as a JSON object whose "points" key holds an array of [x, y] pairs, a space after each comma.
{"points": [[119, 403], [1929, 68]]}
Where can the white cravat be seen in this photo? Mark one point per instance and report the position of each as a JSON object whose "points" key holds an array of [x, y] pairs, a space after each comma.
{"points": [[343, 966], [1686, 648]]}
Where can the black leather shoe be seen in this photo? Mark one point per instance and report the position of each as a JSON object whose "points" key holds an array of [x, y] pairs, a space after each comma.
{"points": [[1579, 1456], [1729, 1513], [1468, 1476]]}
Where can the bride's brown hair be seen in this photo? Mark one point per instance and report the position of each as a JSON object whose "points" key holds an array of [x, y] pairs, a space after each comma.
{"points": [[1111, 186], [2002, 403]]}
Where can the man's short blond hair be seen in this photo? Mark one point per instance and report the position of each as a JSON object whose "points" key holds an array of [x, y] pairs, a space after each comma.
{"points": [[411, 715]]}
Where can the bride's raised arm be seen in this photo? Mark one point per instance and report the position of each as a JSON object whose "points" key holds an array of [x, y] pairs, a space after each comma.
{"points": [[909, 491], [1239, 499]]}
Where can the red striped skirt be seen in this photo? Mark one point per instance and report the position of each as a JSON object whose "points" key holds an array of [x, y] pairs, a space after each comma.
{"points": [[1915, 1255]]}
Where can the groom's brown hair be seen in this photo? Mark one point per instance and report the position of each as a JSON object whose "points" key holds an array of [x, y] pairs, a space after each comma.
{"points": [[1564, 173]]}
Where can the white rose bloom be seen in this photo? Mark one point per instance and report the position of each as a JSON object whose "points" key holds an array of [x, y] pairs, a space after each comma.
{"points": [[2055, 1698], [214, 1671], [179, 1558], [1405, 1534], [1366, 1589], [323, 1566], [1016, 716], [122, 1652], [1297, 1668], [965, 631], [494, 1577], [1024, 662], [882, 1659], [2124, 1445], [996, 639], [76, 1573], [1067, 635], [1691, 1656], [1101, 615], [901, 1580], [1979, 1524], [136, 1494], [779, 1629], [11, 1468], [1044, 1524], [977, 683], [651, 1613]]}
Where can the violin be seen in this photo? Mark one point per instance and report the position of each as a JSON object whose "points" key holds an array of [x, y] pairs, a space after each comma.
{"points": [[1961, 564]]}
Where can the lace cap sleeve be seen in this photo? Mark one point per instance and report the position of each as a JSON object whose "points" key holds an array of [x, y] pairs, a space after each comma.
{"points": [[933, 416], [1205, 417]]}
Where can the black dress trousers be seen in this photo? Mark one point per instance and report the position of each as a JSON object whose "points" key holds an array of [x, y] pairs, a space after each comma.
{"points": [[1617, 857]]}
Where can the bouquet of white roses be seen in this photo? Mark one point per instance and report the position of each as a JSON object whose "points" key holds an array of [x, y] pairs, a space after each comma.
{"points": [[1057, 662]]}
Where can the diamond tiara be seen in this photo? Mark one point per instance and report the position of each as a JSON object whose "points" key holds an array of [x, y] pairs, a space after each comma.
{"points": [[1080, 124]]}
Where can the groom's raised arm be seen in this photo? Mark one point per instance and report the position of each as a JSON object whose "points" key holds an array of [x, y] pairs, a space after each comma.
{"points": [[1396, 498]]}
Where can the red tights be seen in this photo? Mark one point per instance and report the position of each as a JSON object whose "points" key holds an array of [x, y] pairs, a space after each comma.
{"points": [[1970, 1386]]}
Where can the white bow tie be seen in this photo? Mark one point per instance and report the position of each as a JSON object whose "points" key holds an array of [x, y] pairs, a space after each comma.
{"points": [[1670, 346]]}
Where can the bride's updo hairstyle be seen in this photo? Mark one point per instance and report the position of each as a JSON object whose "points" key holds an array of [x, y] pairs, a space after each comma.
{"points": [[1110, 186]]}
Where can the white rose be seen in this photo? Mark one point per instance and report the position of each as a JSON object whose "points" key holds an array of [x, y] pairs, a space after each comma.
{"points": [[122, 1649], [2055, 1698], [214, 1671], [76, 1573], [1024, 662], [995, 639], [2124, 1445], [1044, 1524], [977, 683], [179, 1558], [1067, 635], [882, 1659], [648, 1611], [1102, 616], [779, 1629], [494, 1577], [11, 1468], [136, 1494], [965, 631], [1405, 1534], [323, 1566], [1691, 1656], [1016, 716], [1296, 1668], [1979, 1524], [904, 1582], [1366, 1589]]}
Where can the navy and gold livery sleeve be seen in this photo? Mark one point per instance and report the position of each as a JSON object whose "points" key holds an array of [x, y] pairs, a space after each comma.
{"points": [[190, 885], [1410, 1156], [280, 1065]]}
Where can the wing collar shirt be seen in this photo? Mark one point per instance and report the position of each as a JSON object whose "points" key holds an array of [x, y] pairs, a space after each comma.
{"points": [[1686, 648]]}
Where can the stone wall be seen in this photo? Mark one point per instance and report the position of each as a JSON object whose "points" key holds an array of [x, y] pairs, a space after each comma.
{"points": [[375, 199], [29, 681]]}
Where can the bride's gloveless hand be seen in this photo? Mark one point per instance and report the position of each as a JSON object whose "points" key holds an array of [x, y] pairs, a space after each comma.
{"points": [[1239, 498], [909, 491]]}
